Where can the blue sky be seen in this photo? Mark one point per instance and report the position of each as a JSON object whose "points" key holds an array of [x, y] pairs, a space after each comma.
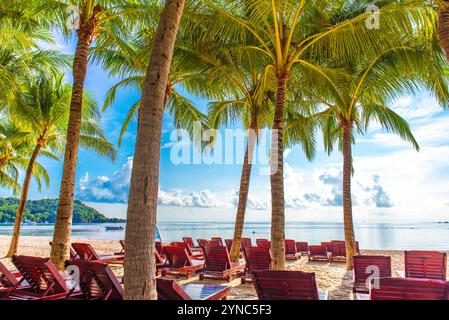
{"points": [[392, 182]]}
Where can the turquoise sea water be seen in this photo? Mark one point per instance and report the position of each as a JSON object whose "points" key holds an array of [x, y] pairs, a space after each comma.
{"points": [[432, 236]]}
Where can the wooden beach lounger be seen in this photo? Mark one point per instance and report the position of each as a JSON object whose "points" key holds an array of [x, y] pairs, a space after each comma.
{"points": [[44, 282], [287, 285], [410, 289], [327, 245], [369, 267], [179, 263], [86, 252], [337, 251], [191, 244], [214, 243], [302, 247], [184, 245], [263, 243], [425, 264], [98, 282], [290, 250], [256, 259], [218, 265], [168, 289], [318, 252]]}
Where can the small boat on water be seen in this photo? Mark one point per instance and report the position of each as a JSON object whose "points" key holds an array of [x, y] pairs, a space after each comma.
{"points": [[114, 228]]}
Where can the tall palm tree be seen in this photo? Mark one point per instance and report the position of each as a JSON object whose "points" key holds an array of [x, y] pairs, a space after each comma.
{"points": [[359, 94], [95, 18], [250, 101], [293, 33], [140, 269], [44, 110]]}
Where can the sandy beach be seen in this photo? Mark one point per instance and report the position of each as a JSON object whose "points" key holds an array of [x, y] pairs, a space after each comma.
{"points": [[332, 277]]}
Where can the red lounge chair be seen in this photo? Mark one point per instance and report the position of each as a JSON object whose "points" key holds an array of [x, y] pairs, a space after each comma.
{"points": [[256, 259], [43, 279], [192, 246], [86, 252], [202, 242], [290, 250], [410, 289], [184, 245], [246, 243], [425, 264], [179, 263], [218, 265], [263, 243], [302, 247], [365, 267], [318, 252], [287, 285], [98, 282], [338, 251], [327, 245], [219, 239], [168, 289]]}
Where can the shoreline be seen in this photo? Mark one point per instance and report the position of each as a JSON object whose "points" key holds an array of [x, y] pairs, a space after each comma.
{"points": [[329, 276]]}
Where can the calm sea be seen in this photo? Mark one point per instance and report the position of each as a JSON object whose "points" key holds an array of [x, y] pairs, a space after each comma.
{"points": [[434, 236]]}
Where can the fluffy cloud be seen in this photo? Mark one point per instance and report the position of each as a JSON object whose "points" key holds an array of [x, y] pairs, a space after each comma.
{"points": [[106, 189], [202, 199], [252, 202]]}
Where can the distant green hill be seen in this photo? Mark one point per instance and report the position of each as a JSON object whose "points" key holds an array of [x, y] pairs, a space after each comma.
{"points": [[44, 211]]}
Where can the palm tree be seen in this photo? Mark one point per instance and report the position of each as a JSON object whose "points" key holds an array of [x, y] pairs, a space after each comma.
{"points": [[140, 269], [44, 110], [443, 25], [355, 96], [95, 18], [292, 34], [15, 150], [251, 102]]}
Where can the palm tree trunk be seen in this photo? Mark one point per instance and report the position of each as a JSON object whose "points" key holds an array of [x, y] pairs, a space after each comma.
{"points": [[63, 224], [23, 200], [347, 202], [277, 176], [244, 189], [140, 268], [443, 26]]}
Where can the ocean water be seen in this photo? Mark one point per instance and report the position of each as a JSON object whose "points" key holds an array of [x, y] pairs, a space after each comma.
{"points": [[426, 236]]}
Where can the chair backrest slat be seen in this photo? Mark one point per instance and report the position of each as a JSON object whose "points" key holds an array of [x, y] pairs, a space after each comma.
{"points": [[290, 246], [189, 241], [410, 289], [40, 274], [97, 280], [85, 251], [302, 247], [257, 258], [219, 239], [285, 285], [177, 257], [263, 243], [216, 258], [425, 264], [370, 267], [183, 245]]}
